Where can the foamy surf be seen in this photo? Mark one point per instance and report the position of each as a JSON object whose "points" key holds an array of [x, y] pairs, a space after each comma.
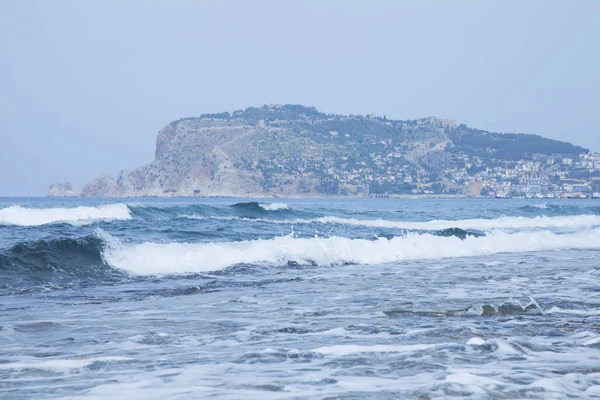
{"points": [[351, 297], [274, 206], [345, 350], [180, 258], [578, 221], [21, 216], [62, 365], [480, 224]]}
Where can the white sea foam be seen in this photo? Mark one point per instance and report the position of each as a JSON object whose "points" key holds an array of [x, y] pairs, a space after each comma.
{"points": [[62, 365], [17, 215], [176, 258], [558, 310], [512, 223], [476, 341], [578, 221], [273, 206], [477, 385], [592, 342], [348, 349], [541, 206]]}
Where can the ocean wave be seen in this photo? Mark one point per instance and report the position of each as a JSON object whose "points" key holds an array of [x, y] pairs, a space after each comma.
{"points": [[541, 206], [47, 255], [250, 211], [578, 221], [274, 206], [256, 206], [555, 209], [180, 258], [449, 231], [103, 258], [570, 222], [85, 257], [509, 307], [54, 264], [17, 215]]}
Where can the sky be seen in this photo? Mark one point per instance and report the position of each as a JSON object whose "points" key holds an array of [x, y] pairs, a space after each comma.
{"points": [[85, 86]]}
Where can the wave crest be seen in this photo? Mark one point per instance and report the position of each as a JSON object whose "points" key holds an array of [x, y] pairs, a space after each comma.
{"points": [[180, 258], [274, 206], [509, 307], [21, 216], [256, 206], [576, 221], [469, 225], [54, 264]]}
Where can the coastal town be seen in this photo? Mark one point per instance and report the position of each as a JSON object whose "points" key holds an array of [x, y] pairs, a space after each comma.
{"points": [[542, 177], [422, 161]]}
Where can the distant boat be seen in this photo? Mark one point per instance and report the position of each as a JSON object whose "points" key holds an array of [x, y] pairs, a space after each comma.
{"points": [[596, 195]]}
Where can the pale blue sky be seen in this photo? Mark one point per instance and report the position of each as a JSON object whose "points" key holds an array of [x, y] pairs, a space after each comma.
{"points": [[86, 85]]}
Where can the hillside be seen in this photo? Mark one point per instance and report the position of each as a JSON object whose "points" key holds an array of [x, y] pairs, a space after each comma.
{"points": [[292, 150]]}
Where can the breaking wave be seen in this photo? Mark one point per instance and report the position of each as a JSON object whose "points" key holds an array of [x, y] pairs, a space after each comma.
{"points": [[180, 258], [274, 206], [552, 209], [570, 222], [17, 215], [262, 207], [510, 307], [540, 206], [102, 258], [578, 221], [48, 255], [55, 264]]}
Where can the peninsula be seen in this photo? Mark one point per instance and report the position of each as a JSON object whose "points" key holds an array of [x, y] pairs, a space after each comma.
{"points": [[297, 151]]}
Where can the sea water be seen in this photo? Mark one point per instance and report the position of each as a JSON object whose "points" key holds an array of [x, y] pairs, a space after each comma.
{"points": [[299, 299]]}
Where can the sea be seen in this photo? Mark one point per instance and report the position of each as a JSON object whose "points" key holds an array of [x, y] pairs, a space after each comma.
{"points": [[299, 298]]}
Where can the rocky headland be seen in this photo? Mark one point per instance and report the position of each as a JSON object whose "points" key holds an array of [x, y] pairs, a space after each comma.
{"points": [[297, 151]]}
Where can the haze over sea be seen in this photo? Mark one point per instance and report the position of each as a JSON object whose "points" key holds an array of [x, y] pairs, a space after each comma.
{"points": [[343, 298]]}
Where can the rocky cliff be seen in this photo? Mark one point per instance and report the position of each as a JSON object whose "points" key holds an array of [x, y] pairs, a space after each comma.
{"points": [[295, 151], [192, 158], [62, 189]]}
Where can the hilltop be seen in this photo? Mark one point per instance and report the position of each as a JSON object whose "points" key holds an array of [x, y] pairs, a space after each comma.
{"points": [[293, 150]]}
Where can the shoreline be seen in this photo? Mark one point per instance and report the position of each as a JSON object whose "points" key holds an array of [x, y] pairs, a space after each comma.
{"points": [[378, 197]]}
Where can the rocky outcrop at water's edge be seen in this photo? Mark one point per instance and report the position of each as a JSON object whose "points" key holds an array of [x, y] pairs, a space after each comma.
{"points": [[62, 189]]}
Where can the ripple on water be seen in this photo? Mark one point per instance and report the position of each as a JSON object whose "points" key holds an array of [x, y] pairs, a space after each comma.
{"points": [[37, 327]]}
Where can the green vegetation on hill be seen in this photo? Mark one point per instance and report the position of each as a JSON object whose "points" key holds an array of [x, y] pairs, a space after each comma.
{"points": [[507, 146], [361, 129], [333, 153]]}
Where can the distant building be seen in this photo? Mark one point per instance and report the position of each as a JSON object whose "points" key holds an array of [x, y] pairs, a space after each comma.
{"points": [[474, 188], [534, 189], [581, 188]]}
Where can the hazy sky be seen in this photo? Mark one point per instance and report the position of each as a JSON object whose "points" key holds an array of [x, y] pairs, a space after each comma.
{"points": [[86, 85]]}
